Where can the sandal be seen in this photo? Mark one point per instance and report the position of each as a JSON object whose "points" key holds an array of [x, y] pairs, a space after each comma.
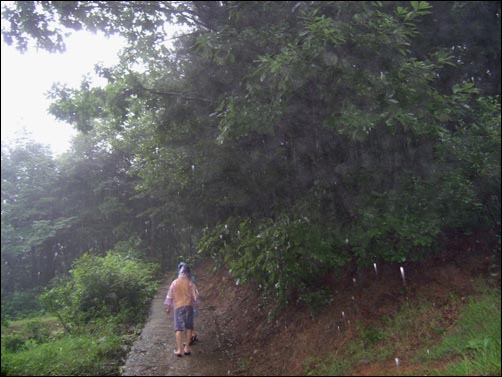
{"points": [[178, 354], [193, 339]]}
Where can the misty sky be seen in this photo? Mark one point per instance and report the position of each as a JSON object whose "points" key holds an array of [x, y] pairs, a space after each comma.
{"points": [[27, 77]]}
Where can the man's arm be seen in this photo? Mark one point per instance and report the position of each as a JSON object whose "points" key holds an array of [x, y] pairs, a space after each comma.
{"points": [[195, 296], [170, 297]]}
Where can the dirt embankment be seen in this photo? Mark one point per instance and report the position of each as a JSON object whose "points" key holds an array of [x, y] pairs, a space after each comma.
{"points": [[239, 335]]}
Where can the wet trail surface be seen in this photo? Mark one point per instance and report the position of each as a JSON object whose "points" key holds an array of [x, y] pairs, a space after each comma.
{"points": [[152, 354]]}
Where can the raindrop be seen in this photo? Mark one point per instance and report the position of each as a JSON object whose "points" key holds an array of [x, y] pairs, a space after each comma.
{"points": [[375, 267], [402, 274], [193, 167], [226, 226], [343, 315], [353, 298], [339, 329], [346, 240], [397, 361], [221, 237]]}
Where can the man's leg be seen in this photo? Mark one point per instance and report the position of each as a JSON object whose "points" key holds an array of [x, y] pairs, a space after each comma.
{"points": [[179, 337], [187, 341]]}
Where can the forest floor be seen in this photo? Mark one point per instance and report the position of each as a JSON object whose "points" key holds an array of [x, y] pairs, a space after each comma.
{"points": [[240, 334]]}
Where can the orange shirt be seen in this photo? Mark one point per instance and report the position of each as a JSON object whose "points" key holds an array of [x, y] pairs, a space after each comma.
{"points": [[182, 292]]}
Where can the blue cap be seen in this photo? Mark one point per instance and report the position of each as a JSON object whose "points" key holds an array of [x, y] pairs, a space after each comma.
{"points": [[180, 266]]}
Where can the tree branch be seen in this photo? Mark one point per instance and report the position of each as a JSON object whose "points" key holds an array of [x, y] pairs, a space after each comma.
{"points": [[177, 94]]}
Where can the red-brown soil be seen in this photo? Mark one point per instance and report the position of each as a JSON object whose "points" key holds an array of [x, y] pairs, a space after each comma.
{"points": [[282, 346]]}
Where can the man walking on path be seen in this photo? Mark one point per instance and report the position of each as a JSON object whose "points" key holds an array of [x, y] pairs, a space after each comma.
{"points": [[182, 296], [194, 337]]}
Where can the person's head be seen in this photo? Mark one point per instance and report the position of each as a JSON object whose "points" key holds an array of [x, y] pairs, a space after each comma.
{"points": [[185, 270], [180, 266]]}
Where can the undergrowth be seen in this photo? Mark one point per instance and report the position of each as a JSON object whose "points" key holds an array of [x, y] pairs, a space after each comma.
{"points": [[424, 342]]}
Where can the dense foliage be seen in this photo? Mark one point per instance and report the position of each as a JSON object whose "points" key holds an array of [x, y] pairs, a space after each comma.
{"points": [[284, 256], [115, 287], [303, 135], [98, 304]]}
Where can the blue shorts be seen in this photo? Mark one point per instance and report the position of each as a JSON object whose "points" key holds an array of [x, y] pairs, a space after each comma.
{"points": [[183, 318]]}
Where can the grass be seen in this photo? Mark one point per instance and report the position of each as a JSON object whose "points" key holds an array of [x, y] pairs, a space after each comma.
{"points": [[39, 346], [477, 341], [462, 337], [37, 329], [70, 356], [27, 325]]}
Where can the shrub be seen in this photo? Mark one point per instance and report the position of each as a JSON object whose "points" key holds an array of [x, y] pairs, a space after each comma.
{"points": [[20, 304], [12, 342], [286, 257], [117, 285]]}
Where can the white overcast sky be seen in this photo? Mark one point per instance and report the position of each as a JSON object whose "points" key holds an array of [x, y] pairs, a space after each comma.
{"points": [[27, 77]]}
